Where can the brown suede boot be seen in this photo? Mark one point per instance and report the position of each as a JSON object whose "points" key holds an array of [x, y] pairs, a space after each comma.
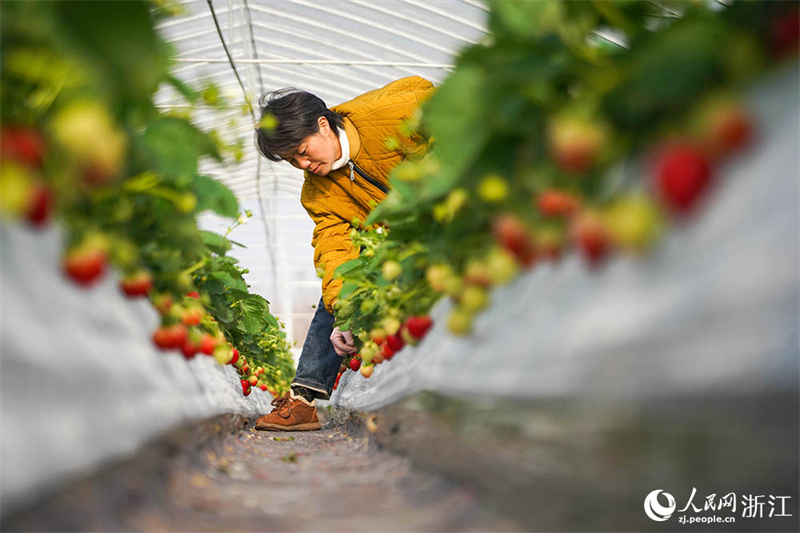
{"points": [[292, 413]]}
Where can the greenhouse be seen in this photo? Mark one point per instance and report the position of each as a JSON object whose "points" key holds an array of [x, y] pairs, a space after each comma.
{"points": [[399, 265]]}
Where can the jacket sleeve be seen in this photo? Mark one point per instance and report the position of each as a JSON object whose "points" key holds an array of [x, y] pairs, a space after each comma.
{"points": [[332, 247]]}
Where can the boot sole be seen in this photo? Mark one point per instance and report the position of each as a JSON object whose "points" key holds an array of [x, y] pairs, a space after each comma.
{"points": [[310, 426]]}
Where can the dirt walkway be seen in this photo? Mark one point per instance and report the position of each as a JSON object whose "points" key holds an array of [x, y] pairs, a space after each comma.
{"points": [[268, 481]]}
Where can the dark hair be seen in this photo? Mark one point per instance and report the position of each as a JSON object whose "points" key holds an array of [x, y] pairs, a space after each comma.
{"points": [[296, 112]]}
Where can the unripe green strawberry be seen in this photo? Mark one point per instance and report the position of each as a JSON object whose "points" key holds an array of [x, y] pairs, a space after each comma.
{"points": [[223, 354], [634, 222], [474, 298], [459, 322], [502, 266], [391, 270], [493, 188], [391, 325], [436, 276]]}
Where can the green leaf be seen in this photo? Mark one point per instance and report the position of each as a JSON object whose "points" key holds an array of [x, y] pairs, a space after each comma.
{"points": [[173, 145], [120, 40], [228, 281], [347, 289], [216, 242], [349, 266], [213, 195]]}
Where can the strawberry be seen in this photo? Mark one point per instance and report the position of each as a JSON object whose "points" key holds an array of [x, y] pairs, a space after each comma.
{"points": [[40, 205], [555, 203], [377, 335], [235, 358], [208, 343], [170, 337], [245, 386], [395, 342], [355, 364], [784, 33], [193, 315], [137, 284], [477, 273], [263, 387], [162, 303], [391, 270], [591, 238], [418, 326], [367, 371], [23, 145], [513, 235], [86, 264], [253, 380], [725, 126], [576, 142], [459, 322], [550, 242], [682, 175], [189, 349], [193, 294], [387, 351]]}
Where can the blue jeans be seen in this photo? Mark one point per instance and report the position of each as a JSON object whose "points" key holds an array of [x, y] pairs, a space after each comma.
{"points": [[319, 363]]}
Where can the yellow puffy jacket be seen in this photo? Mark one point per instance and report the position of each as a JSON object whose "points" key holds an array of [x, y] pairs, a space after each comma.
{"points": [[334, 200]]}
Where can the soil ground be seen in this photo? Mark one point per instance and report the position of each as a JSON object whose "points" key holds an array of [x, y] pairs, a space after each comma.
{"points": [[334, 479]]}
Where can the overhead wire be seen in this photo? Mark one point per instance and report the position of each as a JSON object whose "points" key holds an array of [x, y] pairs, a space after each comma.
{"points": [[253, 117]]}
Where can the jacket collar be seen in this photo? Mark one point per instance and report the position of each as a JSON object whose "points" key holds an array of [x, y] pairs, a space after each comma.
{"points": [[352, 138]]}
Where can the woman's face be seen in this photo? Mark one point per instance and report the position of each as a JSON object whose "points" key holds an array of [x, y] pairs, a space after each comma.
{"points": [[316, 153]]}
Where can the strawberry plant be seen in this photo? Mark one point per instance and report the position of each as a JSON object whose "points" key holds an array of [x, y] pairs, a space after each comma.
{"points": [[82, 141], [533, 135]]}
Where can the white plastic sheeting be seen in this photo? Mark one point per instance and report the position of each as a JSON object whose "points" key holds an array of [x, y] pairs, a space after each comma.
{"points": [[82, 382], [713, 310]]}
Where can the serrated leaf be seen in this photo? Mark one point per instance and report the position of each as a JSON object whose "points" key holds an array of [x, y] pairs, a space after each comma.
{"points": [[213, 195], [228, 281]]}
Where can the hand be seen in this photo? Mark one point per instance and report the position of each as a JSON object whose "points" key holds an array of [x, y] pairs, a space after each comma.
{"points": [[343, 342]]}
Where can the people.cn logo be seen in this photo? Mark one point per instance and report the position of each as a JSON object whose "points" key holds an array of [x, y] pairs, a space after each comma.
{"points": [[655, 510]]}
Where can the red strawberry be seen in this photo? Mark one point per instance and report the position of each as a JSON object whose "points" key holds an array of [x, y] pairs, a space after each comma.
{"points": [[682, 175], [40, 205], [387, 351], [513, 235], [553, 202], [193, 294], [263, 387], [21, 144], [189, 349], [784, 33], [169, 337], [137, 284], [208, 343], [235, 357], [418, 326], [85, 265], [245, 386], [395, 342], [253, 380], [591, 238], [355, 364]]}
